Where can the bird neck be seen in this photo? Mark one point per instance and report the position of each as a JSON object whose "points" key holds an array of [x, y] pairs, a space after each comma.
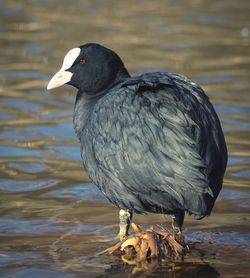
{"points": [[82, 112], [84, 104], [120, 76]]}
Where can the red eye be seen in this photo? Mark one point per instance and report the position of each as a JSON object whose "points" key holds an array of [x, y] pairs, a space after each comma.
{"points": [[82, 61]]}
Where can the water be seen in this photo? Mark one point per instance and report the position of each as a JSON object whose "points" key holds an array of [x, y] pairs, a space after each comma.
{"points": [[53, 220]]}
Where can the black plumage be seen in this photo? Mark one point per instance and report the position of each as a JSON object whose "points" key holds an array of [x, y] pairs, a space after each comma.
{"points": [[151, 143]]}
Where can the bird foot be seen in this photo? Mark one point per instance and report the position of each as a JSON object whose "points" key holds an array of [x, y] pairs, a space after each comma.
{"points": [[173, 243], [156, 242]]}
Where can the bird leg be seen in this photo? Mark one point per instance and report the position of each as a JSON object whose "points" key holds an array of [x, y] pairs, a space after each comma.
{"points": [[177, 221], [125, 217]]}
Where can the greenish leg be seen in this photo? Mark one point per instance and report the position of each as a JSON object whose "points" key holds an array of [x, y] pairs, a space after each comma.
{"points": [[125, 217], [177, 221]]}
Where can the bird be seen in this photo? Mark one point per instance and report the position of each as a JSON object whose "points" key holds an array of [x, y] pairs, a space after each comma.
{"points": [[151, 143]]}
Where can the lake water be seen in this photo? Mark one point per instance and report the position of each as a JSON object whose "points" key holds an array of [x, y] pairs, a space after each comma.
{"points": [[52, 219]]}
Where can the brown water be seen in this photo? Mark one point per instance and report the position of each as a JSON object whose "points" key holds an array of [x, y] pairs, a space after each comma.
{"points": [[53, 220]]}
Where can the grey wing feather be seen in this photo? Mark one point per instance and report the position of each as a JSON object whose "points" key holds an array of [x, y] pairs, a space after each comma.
{"points": [[150, 145]]}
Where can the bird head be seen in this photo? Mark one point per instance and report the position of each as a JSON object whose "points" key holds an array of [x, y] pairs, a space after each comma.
{"points": [[91, 68]]}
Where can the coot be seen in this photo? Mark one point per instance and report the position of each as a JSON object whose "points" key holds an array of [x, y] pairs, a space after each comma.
{"points": [[151, 143]]}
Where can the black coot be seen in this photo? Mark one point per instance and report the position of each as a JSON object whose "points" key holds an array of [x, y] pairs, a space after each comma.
{"points": [[151, 143]]}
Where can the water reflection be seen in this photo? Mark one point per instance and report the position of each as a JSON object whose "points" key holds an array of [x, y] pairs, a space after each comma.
{"points": [[168, 269], [53, 220]]}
